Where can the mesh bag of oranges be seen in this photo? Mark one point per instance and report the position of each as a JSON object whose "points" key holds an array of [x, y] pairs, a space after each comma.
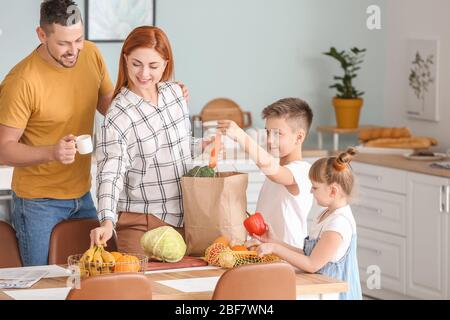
{"points": [[96, 260], [220, 254]]}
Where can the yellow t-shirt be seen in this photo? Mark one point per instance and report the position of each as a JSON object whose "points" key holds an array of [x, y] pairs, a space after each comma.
{"points": [[50, 102]]}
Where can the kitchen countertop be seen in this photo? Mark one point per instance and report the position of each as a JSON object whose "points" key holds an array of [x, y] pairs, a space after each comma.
{"points": [[229, 155], [399, 162], [385, 160]]}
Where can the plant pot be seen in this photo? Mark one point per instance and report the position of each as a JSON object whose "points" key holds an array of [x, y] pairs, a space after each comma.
{"points": [[347, 112]]}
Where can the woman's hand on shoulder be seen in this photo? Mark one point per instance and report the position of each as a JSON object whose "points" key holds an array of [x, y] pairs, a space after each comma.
{"points": [[185, 90]]}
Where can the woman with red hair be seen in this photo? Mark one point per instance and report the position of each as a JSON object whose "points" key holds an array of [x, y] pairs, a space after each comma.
{"points": [[144, 144]]}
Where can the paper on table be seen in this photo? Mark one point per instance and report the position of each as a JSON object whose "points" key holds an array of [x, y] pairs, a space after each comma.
{"points": [[14, 279], [39, 294], [22, 274], [192, 285], [53, 271]]}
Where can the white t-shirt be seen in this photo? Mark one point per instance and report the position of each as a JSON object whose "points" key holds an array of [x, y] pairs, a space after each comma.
{"points": [[285, 212], [340, 221]]}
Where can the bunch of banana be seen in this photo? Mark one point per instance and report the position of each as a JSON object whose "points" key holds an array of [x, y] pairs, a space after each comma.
{"points": [[108, 261], [86, 260], [96, 260]]}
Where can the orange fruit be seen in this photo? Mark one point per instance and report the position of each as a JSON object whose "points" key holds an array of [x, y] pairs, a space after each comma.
{"points": [[116, 255], [127, 263], [222, 240], [212, 253], [239, 248]]}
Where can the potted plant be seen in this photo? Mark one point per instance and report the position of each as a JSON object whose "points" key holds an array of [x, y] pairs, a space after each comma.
{"points": [[347, 102]]}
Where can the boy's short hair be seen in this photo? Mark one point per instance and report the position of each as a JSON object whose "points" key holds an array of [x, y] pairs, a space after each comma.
{"points": [[295, 110], [62, 12]]}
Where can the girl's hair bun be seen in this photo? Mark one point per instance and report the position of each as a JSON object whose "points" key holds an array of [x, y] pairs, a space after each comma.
{"points": [[341, 162]]}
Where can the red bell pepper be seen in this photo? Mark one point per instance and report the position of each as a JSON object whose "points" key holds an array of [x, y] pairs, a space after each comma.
{"points": [[255, 224]]}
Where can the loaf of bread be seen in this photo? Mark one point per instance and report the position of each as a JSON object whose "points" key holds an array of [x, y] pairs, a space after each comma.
{"points": [[433, 141], [403, 143], [367, 134]]}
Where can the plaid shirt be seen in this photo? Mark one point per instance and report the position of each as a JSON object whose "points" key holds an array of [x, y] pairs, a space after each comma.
{"points": [[142, 153]]}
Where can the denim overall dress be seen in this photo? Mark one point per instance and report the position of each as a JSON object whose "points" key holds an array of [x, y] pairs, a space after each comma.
{"points": [[346, 269]]}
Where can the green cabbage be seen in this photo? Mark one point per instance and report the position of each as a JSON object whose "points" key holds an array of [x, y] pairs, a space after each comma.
{"points": [[204, 172], [164, 244], [194, 171]]}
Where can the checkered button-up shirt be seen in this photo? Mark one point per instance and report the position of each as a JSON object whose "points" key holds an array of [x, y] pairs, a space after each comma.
{"points": [[142, 152]]}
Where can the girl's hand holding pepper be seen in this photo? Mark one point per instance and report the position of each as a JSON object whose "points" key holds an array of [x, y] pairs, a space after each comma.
{"points": [[268, 236]]}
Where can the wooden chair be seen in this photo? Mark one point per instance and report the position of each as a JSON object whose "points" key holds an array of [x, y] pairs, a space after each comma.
{"points": [[224, 109], [115, 286], [72, 237], [9, 248], [271, 281]]}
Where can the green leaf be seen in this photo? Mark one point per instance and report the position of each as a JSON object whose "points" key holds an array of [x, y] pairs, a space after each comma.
{"points": [[349, 62]]}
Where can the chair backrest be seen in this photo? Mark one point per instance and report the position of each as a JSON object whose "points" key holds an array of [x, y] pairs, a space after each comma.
{"points": [[114, 286], [9, 248], [271, 281], [72, 237], [222, 108]]}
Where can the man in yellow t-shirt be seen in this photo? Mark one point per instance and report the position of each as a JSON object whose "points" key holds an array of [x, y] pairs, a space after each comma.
{"points": [[46, 100]]}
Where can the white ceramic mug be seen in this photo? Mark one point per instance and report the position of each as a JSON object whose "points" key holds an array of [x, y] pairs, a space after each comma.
{"points": [[84, 144]]}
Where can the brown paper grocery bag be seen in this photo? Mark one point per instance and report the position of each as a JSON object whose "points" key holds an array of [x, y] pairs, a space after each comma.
{"points": [[214, 207]]}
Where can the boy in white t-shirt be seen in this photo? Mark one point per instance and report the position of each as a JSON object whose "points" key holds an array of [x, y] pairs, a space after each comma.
{"points": [[285, 199]]}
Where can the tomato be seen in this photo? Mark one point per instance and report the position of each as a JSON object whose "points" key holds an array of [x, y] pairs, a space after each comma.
{"points": [[255, 224]]}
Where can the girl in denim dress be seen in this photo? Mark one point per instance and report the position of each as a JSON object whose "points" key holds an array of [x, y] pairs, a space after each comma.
{"points": [[330, 247]]}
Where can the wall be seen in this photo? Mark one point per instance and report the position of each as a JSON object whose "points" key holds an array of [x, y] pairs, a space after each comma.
{"points": [[252, 51], [417, 19]]}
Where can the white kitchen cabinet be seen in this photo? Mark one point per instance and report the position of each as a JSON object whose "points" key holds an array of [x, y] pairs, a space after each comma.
{"points": [[5, 177], [5, 193], [381, 178], [388, 253], [428, 237], [403, 226], [380, 210], [380, 213]]}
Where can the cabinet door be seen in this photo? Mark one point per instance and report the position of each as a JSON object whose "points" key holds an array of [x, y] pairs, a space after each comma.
{"points": [[386, 252], [381, 178], [427, 237], [381, 211], [5, 177]]}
